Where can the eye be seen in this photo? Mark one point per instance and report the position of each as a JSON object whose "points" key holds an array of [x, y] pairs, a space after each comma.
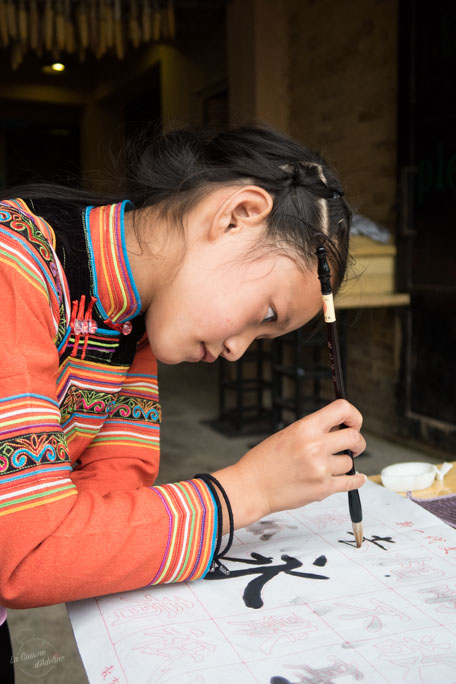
{"points": [[271, 316]]}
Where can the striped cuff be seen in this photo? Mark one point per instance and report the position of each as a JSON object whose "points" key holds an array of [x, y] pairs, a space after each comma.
{"points": [[192, 531]]}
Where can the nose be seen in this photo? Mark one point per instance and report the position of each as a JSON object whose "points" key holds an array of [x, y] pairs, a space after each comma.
{"points": [[234, 347]]}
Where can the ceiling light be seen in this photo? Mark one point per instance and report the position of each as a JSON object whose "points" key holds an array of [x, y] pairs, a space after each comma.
{"points": [[55, 68]]}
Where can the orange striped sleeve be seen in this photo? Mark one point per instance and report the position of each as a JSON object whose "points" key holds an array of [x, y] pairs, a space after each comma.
{"points": [[192, 531]]}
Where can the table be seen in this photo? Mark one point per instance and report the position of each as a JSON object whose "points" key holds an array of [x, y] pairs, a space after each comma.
{"points": [[273, 620], [370, 300]]}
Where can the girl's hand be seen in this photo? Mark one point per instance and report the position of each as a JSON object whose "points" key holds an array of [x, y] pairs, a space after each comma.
{"points": [[296, 465]]}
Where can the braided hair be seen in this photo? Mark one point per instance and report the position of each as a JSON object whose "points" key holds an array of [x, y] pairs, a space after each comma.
{"points": [[174, 171], [171, 172]]}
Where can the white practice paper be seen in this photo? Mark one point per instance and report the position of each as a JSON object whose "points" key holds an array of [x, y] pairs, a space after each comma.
{"points": [[301, 605]]}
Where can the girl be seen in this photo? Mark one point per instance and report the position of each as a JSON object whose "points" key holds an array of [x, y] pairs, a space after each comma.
{"points": [[214, 247]]}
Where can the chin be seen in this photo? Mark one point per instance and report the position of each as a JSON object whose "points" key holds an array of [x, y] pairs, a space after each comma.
{"points": [[168, 355], [166, 359], [168, 362]]}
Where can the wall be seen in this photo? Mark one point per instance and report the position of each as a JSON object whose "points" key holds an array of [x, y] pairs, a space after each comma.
{"points": [[342, 99], [187, 72], [326, 71], [258, 68], [190, 68], [343, 94]]}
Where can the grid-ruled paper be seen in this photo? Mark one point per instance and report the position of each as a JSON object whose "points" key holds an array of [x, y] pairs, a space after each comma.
{"points": [[301, 604]]}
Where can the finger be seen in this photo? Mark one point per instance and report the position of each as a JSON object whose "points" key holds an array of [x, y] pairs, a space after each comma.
{"points": [[346, 483], [340, 465], [346, 438], [336, 413]]}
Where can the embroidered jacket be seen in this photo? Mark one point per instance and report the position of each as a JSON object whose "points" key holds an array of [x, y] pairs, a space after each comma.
{"points": [[80, 419]]}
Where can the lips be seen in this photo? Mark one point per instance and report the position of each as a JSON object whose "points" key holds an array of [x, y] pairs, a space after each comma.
{"points": [[207, 357]]}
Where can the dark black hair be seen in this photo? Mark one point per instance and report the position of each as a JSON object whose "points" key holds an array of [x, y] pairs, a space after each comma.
{"points": [[171, 172]]}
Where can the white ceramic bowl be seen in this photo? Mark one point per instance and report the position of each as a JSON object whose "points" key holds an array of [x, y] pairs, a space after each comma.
{"points": [[404, 477]]}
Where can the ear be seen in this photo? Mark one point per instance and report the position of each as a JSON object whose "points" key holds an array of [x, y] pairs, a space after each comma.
{"points": [[245, 208]]}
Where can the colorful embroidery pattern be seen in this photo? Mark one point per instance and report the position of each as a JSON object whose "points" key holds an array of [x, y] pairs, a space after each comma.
{"points": [[136, 409], [191, 512], [106, 247], [85, 401], [37, 464], [98, 346], [32, 450], [140, 385], [100, 412], [34, 461], [22, 224], [88, 376], [16, 220], [25, 412], [43, 493]]}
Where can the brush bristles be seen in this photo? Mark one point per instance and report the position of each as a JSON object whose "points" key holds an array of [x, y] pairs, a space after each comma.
{"points": [[358, 532]]}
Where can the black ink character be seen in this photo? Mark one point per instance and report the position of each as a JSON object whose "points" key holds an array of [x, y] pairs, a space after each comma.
{"points": [[320, 561], [252, 592], [375, 540]]}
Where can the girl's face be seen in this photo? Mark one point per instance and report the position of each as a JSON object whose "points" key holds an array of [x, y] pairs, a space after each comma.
{"points": [[222, 298]]}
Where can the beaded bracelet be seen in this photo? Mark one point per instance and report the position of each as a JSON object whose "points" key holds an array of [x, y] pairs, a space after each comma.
{"points": [[210, 481]]}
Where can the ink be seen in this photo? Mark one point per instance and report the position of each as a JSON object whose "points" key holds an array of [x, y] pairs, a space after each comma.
{"points": [[266, 529], [374, 540], [320, 561], [252, 593]]}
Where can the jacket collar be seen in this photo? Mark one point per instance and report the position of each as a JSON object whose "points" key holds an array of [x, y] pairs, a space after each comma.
{"points": [[118, 299]]}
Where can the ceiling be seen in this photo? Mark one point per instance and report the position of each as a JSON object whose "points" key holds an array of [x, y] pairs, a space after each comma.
{"points": [[191, 17]]}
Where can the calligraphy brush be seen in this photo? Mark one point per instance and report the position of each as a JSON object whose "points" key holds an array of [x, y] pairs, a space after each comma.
{"points": [[324, 275]]}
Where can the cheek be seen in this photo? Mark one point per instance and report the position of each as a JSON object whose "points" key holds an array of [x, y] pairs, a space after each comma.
{"points": [[162, 330], [153, 330], [180, 318], [214, 327]]}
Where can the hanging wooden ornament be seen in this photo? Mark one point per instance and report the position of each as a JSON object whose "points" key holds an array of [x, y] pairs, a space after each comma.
{"points": [[34, 25], [4, 34], [146, 22], [11, 19], [156, 21], [93, 25], [59, 25], [69, 29], [109, 18], [83, 26], [171, 20], [135, 34], [118, 29], [22, 22], [48, 25]]}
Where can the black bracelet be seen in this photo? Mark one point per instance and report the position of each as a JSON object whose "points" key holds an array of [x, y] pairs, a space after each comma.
{"points": [[219, 512], [209, 479]]}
